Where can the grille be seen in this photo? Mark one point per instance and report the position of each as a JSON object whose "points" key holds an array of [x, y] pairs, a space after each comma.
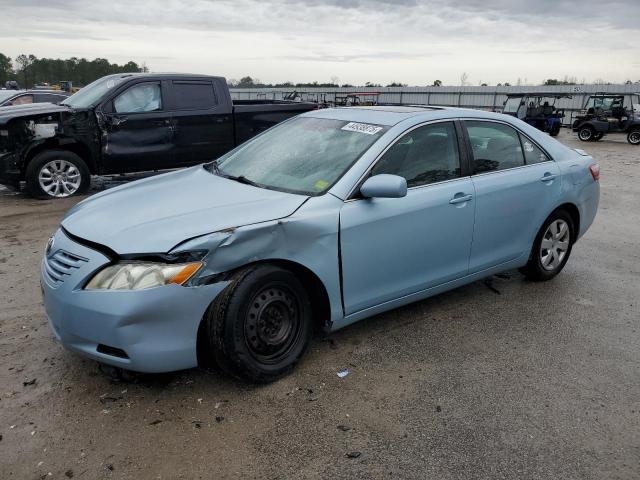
{"points": [[60, 265]]}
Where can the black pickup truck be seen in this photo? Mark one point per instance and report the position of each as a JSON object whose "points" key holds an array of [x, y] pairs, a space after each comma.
{"points": [[128, 123]]}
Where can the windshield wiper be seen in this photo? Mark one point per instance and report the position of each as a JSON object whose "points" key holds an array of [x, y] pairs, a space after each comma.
{"points": [[215, 169], [241, 179]]}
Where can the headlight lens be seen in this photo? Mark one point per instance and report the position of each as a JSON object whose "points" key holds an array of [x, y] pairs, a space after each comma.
{"points": [[142, 275]]}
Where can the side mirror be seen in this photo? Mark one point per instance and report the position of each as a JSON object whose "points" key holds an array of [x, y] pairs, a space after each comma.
{"points": [[384, 186]]}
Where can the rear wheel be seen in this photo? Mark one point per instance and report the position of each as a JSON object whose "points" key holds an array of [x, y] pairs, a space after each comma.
{"points": [[57, 174], [260, 325], [551, 248], [634, 137], [586, 133]]}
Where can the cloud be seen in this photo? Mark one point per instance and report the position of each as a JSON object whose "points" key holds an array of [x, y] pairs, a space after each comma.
{"points": [[410, 40]]}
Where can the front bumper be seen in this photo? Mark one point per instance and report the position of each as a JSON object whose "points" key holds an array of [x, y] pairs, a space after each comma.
{"points": [[152, 330], [9, 171]]}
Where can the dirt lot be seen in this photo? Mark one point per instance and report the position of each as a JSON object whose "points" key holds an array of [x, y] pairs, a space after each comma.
{"points": [[506, 379]]}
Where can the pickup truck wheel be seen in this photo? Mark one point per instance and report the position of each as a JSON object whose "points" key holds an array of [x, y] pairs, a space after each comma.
{"points": [[57, 174], [551, 248], [634, 137], [586, 134], [260, 325]]}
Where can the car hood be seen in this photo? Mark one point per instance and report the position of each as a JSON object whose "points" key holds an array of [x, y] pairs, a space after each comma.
{"points": [[28, 110], [156, 214]]}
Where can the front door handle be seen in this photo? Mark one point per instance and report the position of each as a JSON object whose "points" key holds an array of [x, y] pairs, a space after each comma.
{"points": [[460, 198], [547, 177], [162, 123]]}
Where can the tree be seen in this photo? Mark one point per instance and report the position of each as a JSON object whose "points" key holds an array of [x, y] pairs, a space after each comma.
{"points": [[463, 79], [397, 84], [6, 69], [437, 83]]}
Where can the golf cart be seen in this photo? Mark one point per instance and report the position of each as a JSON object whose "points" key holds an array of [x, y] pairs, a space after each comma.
{"points": [[537, 109], [607, 113]]}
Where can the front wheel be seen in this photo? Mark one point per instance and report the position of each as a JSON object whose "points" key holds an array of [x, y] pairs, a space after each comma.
{"points": [[586, 134], [260, 325], [634, 137], [57, 174], [551, 248]]}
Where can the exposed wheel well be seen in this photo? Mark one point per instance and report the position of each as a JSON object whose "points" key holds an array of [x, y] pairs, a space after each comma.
{"points": [[78, 148], [320, 305]]}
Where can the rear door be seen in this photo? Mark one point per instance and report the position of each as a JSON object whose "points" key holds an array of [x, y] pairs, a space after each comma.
{"points": [[139, 135], [517, 185], [202, 121]]}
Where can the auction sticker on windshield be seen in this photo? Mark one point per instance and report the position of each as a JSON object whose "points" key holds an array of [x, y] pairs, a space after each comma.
{"points": [[362, 128]]}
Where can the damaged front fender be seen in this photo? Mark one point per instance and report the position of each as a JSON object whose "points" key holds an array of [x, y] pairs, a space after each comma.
{"points": [[308, 239]]}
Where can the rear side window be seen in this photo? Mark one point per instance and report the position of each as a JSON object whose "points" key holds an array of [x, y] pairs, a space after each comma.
{"points": [[194, 95], [532, 154], [49, 97], [495, 146], [425, 155]]}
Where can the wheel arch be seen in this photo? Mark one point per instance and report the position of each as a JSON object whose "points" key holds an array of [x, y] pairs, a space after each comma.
{"points": [[73, 146], [318, 295], [573, 212]]}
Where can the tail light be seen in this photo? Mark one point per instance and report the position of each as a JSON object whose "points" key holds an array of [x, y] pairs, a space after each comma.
{"points": [[594, 168]]}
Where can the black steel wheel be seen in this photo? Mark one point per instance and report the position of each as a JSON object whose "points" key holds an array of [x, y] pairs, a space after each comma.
{"points": [[260, 325], [586, 133], [634, 137]]}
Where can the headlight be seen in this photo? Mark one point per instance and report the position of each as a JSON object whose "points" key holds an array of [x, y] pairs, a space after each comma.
{"points": [[141, 275]]}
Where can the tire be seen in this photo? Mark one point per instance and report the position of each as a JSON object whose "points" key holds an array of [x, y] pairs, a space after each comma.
{"points": [[554, 133], [541, 267], [634, 136], [260, 325], [64, 172], [586, 133]]}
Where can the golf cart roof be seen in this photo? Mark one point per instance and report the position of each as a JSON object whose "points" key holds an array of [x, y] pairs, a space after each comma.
{"points": [[548, 95]]}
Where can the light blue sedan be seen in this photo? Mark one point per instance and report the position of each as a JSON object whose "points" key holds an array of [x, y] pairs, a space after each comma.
{"points": [[324, 220]]}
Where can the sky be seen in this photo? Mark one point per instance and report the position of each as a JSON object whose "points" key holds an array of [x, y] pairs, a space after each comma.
{"points": [[353, 41]]}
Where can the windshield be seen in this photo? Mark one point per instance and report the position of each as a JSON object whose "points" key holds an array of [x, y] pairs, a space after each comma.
{"points": [[4, 94], [304, 155], [512, 104], [92, 93], [604, 103]]}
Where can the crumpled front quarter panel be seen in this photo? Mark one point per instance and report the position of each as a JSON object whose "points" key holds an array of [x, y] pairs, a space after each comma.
{"points": [[309, 238]]}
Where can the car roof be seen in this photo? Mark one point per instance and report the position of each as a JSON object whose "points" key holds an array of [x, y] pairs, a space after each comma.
{"points": [[389, 115], [162, 75]]}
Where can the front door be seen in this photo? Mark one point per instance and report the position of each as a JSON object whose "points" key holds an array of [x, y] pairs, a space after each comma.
{"points": [[392, 247], [516, 185], [139, 134]]}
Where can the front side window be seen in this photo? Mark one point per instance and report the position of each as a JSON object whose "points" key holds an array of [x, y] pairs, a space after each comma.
{"points": [[143, 97], [194, 95], [22, 100], [495, 146], [304, 155], [425, 155]]}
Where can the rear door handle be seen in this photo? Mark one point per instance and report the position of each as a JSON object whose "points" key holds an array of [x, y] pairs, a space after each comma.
{"points": [[460, 198], [547, 177]]}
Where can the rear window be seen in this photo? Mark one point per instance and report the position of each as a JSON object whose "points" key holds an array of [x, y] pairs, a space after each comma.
{"points": [[194, 95]]}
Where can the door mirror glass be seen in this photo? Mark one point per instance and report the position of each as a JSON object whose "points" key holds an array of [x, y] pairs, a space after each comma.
{"points": [[384, 186]]}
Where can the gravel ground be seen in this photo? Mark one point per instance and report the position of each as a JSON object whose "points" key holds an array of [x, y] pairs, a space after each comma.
{"points": [[501, 379]]}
